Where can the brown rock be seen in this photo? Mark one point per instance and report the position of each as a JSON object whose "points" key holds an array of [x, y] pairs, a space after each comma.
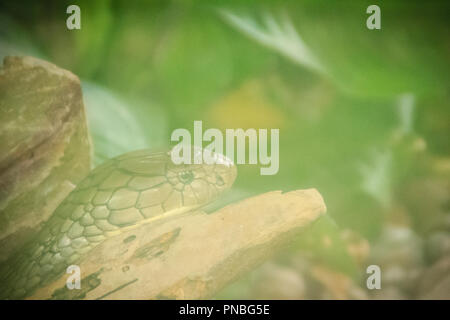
{"points": [[195, 255], [44, 143]]}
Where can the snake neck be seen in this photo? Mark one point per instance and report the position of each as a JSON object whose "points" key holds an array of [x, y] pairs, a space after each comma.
{"points": [[47, 257]]}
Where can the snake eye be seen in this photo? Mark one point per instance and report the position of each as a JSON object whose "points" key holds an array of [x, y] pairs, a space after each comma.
{"points": [[186, 177], [219, 180]]}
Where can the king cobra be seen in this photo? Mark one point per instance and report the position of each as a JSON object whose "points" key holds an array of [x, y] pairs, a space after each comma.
{"points": [[124, 192]]}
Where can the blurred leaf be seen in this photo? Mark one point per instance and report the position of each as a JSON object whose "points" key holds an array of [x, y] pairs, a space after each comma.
{"points": [[377, 176], [408, 55], [279, 36], [115, 126]]}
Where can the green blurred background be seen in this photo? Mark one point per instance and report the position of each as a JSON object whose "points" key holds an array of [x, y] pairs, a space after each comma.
{"points": [[363, 114]]}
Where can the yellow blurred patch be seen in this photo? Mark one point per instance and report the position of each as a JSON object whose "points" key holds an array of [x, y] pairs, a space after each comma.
{"points": [[246, 107]]}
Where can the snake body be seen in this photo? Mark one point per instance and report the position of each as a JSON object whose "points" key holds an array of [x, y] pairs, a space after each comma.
{"points": [[124, 192]]}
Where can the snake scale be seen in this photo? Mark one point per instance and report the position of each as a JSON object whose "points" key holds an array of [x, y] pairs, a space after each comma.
{"points": [[124, 192]]}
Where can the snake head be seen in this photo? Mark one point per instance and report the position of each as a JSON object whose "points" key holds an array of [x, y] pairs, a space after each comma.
{"points": [[202, 183], [154, 184]]}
